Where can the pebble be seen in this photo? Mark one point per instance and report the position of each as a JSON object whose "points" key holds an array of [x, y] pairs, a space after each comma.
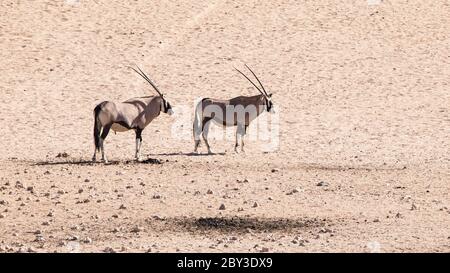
{"points": [[122, 207], [209, 192], [137, 229], [292, 192], [222, 207], [109, 250], [322, 183], [255, 205]]}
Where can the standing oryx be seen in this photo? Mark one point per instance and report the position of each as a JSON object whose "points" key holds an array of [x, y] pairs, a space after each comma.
{"points": [[238, 111], [133, 114]]}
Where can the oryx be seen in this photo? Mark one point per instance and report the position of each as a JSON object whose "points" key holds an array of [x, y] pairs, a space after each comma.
{"points": [[133, 114], [238, 111]]}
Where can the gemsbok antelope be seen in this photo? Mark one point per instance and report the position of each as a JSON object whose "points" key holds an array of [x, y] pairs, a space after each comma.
{"points": [[133, 114], [239, 111]]}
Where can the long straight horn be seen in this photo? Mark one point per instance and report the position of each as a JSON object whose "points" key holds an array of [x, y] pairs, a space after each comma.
{"points": [[143, 75], [249, 80], [257, 80]]}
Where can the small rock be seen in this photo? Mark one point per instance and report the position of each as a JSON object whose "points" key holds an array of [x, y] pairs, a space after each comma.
{"points": [[136, 229], [87, 180], [275, 170], [64, 155], [39, 238], [31, 250], [209, 192], [87, 240], [73, 238], [322, 183], [156, 196], [222, 207], [122, 207], [80, 190], [265, 249], [413, 207], [292, 192], [255, 205], [109, 250], [2, 215]]}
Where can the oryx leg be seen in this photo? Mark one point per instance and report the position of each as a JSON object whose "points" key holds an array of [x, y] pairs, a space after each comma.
{"points": [[242, 138], [94, 157], [197, 134], [104, 134], [205, 129], [240, 131], [138, 143]]}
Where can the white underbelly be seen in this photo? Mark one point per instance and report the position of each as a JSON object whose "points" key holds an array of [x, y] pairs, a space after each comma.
{"points": [[116, 127]]}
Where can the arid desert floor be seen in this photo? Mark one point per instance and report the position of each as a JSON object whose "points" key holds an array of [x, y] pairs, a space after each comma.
{"points": [[362, 150]]}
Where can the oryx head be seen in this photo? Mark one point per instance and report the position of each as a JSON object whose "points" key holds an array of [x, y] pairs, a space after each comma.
{"points": [[165, 105], [267, 97]]}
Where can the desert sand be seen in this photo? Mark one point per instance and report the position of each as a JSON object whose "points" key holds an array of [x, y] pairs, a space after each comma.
{"points": [[363, 162]]}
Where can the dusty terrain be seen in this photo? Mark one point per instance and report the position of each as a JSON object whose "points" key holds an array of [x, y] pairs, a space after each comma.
{"points": [[363, 163]]}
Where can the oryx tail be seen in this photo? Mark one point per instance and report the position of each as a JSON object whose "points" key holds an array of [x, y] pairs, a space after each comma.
{"points": [[97, 125]]}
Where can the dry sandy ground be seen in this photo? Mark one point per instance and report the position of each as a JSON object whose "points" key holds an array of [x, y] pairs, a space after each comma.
{"points": [[364, 157]]}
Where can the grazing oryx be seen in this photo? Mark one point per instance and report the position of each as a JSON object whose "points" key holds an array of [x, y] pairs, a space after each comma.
{"points": [[238, 111], [133, 114]]}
